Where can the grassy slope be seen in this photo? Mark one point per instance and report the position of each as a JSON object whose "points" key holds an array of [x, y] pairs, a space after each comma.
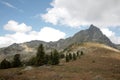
{"points": [[99, 64]]}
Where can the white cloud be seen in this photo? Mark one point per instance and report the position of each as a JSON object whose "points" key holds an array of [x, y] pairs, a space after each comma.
{"points": [[50, 34], [5, 41], [74, 13], [23, 35], [16, 27], [83, 12], [111, 35], [107, 32]]}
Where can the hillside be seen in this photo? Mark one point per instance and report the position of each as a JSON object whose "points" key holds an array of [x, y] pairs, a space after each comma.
{"points": [[99, 62]]}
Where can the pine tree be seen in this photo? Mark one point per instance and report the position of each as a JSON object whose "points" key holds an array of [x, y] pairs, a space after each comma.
{"points": [[16, 61], [56, 58], [74, 56], [67, 58], [78, 54], [40, 56], [32, 61], [50, 58], [70, 56], [62, 56], [81, 52], [46, 59], [5, 64]]}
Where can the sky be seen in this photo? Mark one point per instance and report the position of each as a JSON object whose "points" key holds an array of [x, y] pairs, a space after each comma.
{"points": [[51, 20]]}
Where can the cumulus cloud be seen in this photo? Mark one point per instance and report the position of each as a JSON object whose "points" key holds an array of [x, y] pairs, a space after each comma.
{"points": [[74, 13], [16, 27], [83, 12], [24, 33], [107, 32], [50, 34], [111, 35]]}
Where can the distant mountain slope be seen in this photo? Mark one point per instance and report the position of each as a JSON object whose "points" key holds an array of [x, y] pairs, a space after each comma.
{"points": [[118, 46], [93, 34]]}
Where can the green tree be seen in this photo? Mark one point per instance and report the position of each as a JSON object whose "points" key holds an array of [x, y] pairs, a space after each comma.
{"points": [[81, 52], [70, 56], [40, 56], [78, 54], [50, 58], [16, 61], [5, 64], [56, 58], [62, 56], [46, 59], [74, 56], [67, 58], [32, 61]]}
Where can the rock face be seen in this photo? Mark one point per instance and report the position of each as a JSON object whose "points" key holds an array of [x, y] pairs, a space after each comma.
{"points": [[118, 46], [93, 34]]}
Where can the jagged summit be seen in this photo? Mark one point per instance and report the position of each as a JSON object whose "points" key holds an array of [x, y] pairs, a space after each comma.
{"points": [[92, 27], [92, 34]]}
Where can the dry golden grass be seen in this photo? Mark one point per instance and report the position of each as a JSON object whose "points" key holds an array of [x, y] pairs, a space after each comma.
{"points": [[99, 64]]}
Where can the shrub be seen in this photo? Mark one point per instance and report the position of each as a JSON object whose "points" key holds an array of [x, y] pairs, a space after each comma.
{"points": [[5, 64]]}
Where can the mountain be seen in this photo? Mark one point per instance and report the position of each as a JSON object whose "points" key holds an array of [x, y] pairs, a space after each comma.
{"points": [[92, 34], [118, 46]]}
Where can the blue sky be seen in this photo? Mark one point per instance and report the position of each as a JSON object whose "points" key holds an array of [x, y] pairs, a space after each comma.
{"points": [[25, 12], [51, 20], [28, 12]]}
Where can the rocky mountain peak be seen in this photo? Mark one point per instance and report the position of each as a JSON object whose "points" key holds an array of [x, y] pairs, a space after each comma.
{"points": [[93, 28]]}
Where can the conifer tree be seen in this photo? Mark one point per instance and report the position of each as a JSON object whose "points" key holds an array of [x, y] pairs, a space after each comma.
{"points": [[62, 56], [47, 59], [74, 56], [78, 54], [40, 56], [50, 58], [5, 64], [67, 58], [81, 52], [16, 61], [56, 57], [32, 61], [70, 56]]}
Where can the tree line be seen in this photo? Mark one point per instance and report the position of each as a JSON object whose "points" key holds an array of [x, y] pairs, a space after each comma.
{"points": [[15, 63], [73, 56], [40, 59], [45, 59]]}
